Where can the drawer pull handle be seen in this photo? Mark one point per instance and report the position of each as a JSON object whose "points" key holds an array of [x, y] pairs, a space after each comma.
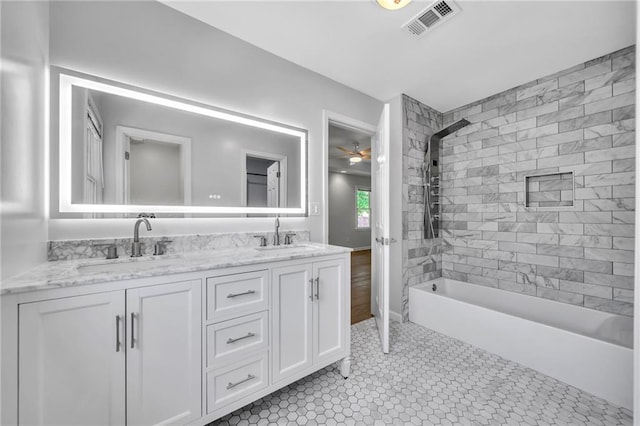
{"points": [[233, 385], [311, 289], [231, 295], [317, 288], [230, 340]]}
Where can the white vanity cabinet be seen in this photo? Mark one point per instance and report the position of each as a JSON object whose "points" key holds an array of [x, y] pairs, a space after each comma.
{"points": [[164, 353], [310, 316], [73, 353], [72, 361], [182, 349]]}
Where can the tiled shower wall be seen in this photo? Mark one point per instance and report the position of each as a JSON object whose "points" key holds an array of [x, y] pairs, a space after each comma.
{"points": [[582, 120], [421, 258]]}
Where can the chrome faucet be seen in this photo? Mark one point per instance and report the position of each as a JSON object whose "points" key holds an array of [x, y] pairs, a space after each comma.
{"points": [[136, 246], [276, 238]]}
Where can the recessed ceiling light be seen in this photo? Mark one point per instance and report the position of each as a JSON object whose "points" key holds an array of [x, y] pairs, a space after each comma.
{"points": [[393, 4], [343, 171]]}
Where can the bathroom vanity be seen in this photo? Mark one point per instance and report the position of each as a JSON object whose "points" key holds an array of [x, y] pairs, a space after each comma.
{"points": [[175, 339]]}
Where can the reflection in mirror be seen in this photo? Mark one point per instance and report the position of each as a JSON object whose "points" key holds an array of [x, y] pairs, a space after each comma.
{"points": [[266, 177], [126, 151]]}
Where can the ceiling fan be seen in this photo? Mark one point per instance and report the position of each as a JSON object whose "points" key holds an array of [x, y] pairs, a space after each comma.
{"points": [[356, 155]]}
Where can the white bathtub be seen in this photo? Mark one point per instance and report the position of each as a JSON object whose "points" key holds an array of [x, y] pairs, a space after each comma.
{"points": [[588, 349]]}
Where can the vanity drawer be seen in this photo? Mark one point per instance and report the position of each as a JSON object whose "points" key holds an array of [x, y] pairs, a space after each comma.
{"points": [[228, 339], [229, 384], [230, 296]]}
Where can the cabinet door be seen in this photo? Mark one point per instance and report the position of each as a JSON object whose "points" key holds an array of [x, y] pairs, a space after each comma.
{"points": [[164, 353], [72, 367], [292, 320], [329, 316]]}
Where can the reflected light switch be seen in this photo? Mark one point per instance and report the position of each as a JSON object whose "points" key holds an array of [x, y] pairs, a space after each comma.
{"points": [[314, 209]]}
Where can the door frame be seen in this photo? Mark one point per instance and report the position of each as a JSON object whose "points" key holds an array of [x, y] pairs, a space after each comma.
{"points": [[346, 122], [282, 159], [123, 133]]}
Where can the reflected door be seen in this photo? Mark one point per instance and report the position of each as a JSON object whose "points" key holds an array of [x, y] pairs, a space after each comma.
{"points": [[273, 185]]}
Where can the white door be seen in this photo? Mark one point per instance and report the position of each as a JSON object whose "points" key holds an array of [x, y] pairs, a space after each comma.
{"points": [[72, 361], [329, 315], [126, 170], [273, 185], [163, 354], [292, 316], [380, 234]]}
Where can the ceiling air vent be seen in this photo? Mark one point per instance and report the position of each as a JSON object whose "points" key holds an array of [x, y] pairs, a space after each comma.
{"points": [[435, 14]]}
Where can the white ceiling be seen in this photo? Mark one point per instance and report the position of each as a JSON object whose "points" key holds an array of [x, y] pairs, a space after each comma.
{"points": [[338, 160], [490, 46]]}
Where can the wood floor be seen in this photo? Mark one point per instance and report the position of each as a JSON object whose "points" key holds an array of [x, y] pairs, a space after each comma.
{"points": [[360, 285]]}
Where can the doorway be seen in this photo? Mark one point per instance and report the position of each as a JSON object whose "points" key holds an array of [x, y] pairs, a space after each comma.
{"points": [[349, 208], [154, 167], [263, 179]]}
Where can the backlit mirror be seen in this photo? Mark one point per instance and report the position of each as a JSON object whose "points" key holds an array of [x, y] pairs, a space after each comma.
{"points": [[127, 150]]}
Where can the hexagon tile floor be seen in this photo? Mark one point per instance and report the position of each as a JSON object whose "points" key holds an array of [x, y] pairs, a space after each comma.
{"points": [[428, 378]]}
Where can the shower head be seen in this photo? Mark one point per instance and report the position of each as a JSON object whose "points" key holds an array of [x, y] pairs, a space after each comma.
{"points": [[451, 129]]}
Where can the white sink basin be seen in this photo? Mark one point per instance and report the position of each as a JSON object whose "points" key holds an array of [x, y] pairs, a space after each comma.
{"points": [[285, 247], [128, 264]]}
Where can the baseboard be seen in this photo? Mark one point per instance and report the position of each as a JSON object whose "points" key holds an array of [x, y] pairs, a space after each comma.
{"points": [[394, 316]]}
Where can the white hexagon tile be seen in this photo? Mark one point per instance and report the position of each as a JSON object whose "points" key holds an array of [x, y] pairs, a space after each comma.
{"points": [[427, 379]]}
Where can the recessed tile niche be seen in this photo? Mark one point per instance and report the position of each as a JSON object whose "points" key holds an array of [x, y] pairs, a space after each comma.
{"points": [[549, 190]]}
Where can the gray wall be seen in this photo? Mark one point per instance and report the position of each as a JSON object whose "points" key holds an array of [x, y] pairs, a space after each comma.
{"points": [[155, 173], [24, 38], [182, 56], [581, 119], [342, 208]]}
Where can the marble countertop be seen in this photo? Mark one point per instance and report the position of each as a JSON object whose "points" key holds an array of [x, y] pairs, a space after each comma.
{"points": [[68, 273]]}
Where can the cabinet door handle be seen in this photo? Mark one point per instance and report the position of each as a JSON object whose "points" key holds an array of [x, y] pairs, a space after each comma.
{"points": [[311, 289], [317, 288], [231, 295], [117, 333], [132, 330], [233, 385], [230, 340]]}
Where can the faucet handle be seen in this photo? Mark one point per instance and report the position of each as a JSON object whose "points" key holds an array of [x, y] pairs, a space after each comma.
{"points": [[263, 240], [287, 238], [160, 247], [112, 249], [147, 215]]}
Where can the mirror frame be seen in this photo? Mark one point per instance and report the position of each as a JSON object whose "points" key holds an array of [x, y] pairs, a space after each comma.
{"points": [[68, 80]]}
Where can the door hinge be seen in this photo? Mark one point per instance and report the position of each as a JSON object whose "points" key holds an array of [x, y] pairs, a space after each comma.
{"points": [[278, 175], [126, 155]]}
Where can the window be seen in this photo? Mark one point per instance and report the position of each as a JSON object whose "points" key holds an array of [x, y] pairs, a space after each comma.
{"points": [[363, 208]]}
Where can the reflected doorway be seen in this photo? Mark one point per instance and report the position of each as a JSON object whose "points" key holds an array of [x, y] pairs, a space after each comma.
{"points": [[264, 180], [154, 168]]}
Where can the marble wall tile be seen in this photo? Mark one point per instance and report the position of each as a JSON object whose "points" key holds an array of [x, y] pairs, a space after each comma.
{"points": [[585, 73], [95, 248], [608, 305], [580, 120], [610, 103], [609, 78]]}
